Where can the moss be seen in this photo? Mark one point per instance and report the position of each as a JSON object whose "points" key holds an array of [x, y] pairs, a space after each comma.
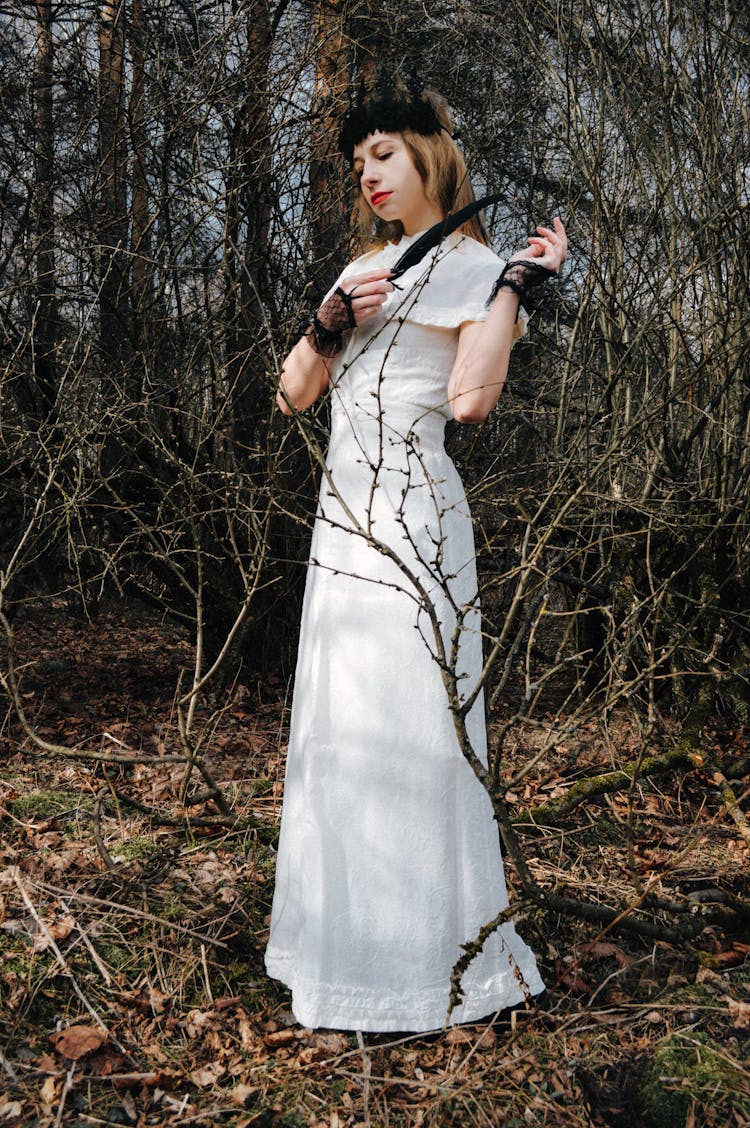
{"points": [[133, 849], [602, 832], [170, 907], [338, 1088], [293, 1119], [114, 955], [685, 1069], [18, 964], [688, 995], [260, 786], [48, 804]]}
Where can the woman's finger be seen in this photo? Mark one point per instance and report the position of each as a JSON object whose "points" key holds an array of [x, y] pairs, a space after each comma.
{"points": [[358, 280], [557, 237], [365, 289], [362, 312]]}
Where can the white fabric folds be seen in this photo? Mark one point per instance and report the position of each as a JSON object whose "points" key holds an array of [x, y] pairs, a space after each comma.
{"points": [[389, 856]]}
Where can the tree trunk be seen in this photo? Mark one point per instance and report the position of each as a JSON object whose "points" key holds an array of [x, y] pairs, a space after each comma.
{"points": [[140, 269], [113, 219], [45, 319], [246, 236], [328, 207]]}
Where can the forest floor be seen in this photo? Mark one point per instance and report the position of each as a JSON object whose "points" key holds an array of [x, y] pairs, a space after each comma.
{"points": [[132, 988]]}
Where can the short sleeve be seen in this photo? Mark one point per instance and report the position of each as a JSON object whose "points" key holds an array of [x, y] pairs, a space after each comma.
{"points": [[451, 286]]}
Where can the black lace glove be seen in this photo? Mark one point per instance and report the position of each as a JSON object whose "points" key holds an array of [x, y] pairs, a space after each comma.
{"points": [[520, 276], [325, 327]]}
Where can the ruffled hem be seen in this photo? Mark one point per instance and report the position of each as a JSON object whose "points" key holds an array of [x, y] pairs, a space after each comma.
{"points": [[334, 1007], [450, 286], [426, 314]]}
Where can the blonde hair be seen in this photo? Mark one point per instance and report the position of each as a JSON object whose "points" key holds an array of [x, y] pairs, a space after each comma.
{"points": [[439, 162]]}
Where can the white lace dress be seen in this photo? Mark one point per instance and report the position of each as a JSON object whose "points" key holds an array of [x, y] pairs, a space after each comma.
{"points": [[389, 856]]}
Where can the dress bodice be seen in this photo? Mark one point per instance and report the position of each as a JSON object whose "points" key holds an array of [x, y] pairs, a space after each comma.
{"points": [[397, 365]]}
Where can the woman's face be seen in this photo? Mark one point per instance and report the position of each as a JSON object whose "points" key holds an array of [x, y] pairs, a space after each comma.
{"points": [[391, 184]]}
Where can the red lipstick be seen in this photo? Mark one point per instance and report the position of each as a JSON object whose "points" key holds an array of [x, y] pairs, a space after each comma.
{"points": [[378, 197]]}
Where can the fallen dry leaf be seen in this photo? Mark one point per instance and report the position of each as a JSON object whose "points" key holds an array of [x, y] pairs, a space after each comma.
{"points": [[330, 1043], [603, 950], [572, 980], [48, 1091], [249, 1037], [149, 1000], [58, 930], [128, 1104], [706, 975], [227, 1002], [208, 1075], [77, 1041], [732, 957], [107, 1061], [280, 1037], [18, 990], [739, 1011], [241, 1094], [155, 1079]]}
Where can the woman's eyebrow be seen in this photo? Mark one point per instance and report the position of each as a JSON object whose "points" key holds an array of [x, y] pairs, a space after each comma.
{"points": [[374, 145]]}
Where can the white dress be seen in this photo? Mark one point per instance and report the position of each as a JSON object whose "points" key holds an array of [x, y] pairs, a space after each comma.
{"points": [[389, 857]]}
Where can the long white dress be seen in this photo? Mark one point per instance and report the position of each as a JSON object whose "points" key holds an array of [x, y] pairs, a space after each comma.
{"points": [[389, 857]]}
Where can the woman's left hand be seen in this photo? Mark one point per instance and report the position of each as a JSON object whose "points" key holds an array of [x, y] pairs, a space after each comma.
{"points": [[548, 247]]}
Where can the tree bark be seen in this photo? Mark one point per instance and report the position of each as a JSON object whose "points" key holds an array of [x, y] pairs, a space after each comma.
{"points": [[140, 270], [246, 237], [327, 208], [45, 319], [113, 218]]}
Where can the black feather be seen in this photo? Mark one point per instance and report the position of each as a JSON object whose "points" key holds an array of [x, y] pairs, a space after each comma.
{"points": [[435, 235]]}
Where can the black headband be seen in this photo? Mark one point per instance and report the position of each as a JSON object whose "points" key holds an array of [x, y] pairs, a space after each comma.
{"points": [[389, 114]]}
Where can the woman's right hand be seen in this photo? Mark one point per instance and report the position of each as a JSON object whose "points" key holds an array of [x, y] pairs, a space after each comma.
{"points": [[356, 300]]}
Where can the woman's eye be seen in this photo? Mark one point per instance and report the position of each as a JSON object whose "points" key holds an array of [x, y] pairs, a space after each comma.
{"points": [[383, 156]]}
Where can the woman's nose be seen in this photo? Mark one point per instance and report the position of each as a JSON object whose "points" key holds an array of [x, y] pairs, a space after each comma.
{"points": [[370, 174]]}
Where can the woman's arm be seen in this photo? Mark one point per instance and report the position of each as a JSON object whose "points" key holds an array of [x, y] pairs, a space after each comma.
{"points": [[304, 377], [481, 363], [305, 372]]}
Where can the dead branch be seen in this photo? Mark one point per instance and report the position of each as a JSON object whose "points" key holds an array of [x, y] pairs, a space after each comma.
{"points": [[549, 814]]}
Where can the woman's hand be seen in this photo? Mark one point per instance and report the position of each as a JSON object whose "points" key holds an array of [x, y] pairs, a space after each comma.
{"points": [[548, 247], [355, 300], [534, 265]]}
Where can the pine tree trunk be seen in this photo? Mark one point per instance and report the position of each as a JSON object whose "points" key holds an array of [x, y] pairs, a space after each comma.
{"points": [[113, 219], [328, 205], [45, 318], [140, 270]]}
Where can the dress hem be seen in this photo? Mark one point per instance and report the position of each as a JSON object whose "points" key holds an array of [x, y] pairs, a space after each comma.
{"points": [[398, 1012]]}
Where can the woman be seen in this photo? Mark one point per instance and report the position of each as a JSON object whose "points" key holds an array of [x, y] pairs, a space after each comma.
{"points": [[389, 857]]}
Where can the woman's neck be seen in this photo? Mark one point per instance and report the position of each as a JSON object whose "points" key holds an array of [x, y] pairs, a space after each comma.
{"points": [[422, 219]]}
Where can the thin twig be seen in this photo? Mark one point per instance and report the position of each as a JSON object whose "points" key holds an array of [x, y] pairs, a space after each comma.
{"points": [[16, 874], [67, 1086], [366, 1071], [127, 910]]}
